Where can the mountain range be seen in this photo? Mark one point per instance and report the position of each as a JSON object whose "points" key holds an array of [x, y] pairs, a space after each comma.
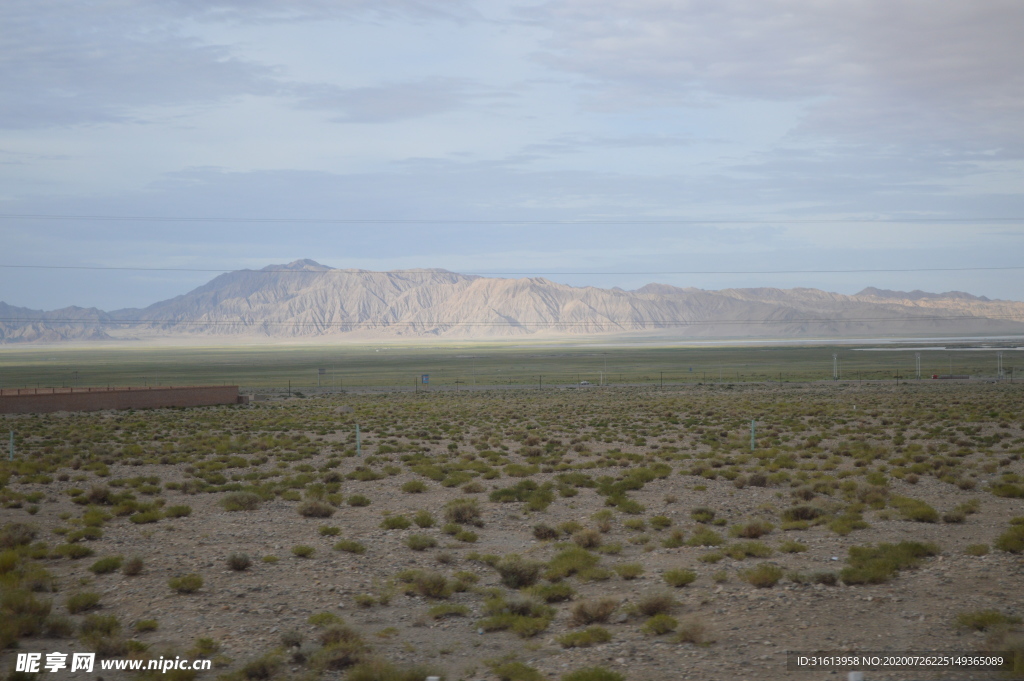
{"points": [[307, 300]]}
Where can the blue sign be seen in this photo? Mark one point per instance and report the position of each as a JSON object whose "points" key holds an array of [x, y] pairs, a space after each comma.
{"points": [[425, 378]]}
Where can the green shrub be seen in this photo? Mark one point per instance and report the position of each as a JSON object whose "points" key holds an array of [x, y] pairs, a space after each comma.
{"points": [[414, 487], [589, 612], [261, 668], [1011, 541], [241, 501], [358, 500], [679, 577], [553, 593], [751, 530], [133, 566], [178, 511], [448, 610], [800, 513], [763, 576], [879, 564], [524, 618], [13, 535], [146, 517], [430, 584], [463, 512], [825, 578], [467, 536], [790, 546], [315, 509], [239, 561], [420, 542], [423, 519], [587, 538], [395, 522], [747, 549], [593, 674], [82, 601], [103, 625], [303, 551], [1008, 490], [985, 620], [517, 573], [142, 626], [516, 671], [105, 565], [186, 584], [569, 562], [659, 624], [660, 522], [629, 571], [674, 540], [379, 670], [324, 619], [544, 532], [977, 550], [329, 531], [693, 630], [584, 639], [653, 604], [705, 537], [702, 514], [914, 509], [74, 551], [350, 546]]}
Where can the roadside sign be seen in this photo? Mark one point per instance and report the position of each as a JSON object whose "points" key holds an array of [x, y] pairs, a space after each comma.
{"points": [[425, 378]]}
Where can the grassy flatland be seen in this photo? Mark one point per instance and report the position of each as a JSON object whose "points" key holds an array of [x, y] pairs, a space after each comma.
{"points": [[515, 364]]}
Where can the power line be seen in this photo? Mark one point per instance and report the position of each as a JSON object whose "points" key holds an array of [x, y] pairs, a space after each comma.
{"points": [[501, 322], [444, 221], [434, 271]]}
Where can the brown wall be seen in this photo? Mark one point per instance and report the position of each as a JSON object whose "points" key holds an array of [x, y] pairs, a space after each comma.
{"points": [[43, 400]]}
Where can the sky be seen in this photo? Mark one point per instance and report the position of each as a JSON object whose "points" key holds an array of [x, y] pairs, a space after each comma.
{"points": [[147, 144]]}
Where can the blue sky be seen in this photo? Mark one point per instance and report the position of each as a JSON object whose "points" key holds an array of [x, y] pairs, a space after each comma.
{"points": [[786, 126]]}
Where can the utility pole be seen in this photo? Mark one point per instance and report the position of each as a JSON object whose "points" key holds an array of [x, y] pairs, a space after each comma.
{"points": [[835, 367], [999, 366], [540, 383], [10, 453], [753, 424], [917, 358], [359, 442], [662, 385]]}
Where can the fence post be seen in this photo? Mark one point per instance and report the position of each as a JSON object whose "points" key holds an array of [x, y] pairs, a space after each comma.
{"points": [[10, 453]]}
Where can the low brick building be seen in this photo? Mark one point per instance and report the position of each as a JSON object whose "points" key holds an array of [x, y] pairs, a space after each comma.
{"points": [[45, 400]]}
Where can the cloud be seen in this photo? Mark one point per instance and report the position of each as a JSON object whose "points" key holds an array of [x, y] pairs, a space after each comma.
{"points": [[575, 143], [394, 101], [258, 11], [944, 75], [70, 63], [83, 63]]}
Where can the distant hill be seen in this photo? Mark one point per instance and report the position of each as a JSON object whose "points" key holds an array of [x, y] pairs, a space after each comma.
{"points": [[306, 300]]}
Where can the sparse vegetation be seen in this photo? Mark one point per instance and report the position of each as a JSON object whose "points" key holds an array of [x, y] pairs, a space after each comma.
{"points": [[574, 470]]}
